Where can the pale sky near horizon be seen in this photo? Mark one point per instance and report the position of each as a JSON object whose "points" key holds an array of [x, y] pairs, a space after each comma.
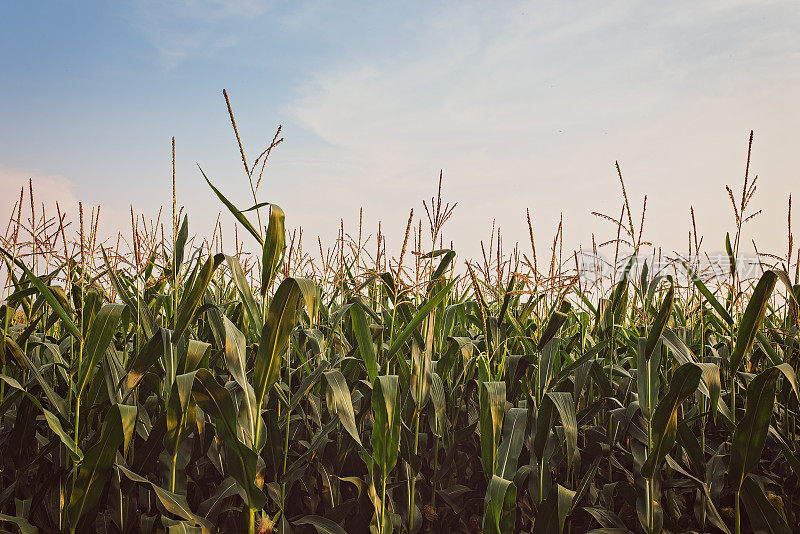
{"points": [[523, 105]]}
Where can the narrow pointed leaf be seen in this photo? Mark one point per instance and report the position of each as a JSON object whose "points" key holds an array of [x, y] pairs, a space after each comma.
{"points": [[48, 295], [492, 410], [234, 211], [752, 318], [684, 383], [386, 427], [660, 321], [172, 502], [239, 279], [282, 317], [340, 403], [499, 506], [420, 316], [101, 332], [274, 245], [358, 318], [511, 445], [194, 295], [751, 431], [95, 468], [762, 515]]}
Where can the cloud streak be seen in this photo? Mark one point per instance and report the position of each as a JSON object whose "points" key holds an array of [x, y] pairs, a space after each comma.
{"points": [[530, 104], [181, 29], [522, 104]]}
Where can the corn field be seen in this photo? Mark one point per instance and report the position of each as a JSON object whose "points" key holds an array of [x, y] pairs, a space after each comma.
{"points": [[160, 385]]}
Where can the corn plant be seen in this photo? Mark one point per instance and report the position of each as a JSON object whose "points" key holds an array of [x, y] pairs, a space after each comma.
{"points": [[176, 388]]}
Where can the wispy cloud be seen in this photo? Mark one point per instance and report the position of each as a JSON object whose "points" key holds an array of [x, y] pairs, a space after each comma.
{"points": [[523, 104], [529, 104], [179, 29]]}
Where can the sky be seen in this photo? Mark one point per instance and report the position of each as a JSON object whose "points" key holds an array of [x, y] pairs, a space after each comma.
{"points": [[521, 105]]}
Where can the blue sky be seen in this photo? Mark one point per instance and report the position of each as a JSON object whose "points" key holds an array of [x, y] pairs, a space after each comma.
{"points": [[523, 105]]}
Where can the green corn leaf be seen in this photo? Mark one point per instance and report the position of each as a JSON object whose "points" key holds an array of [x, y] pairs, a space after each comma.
{"points": [[611, 522], [660, 321], [242, 461], [557, 403], [768, 348], [340, 403], [499, 514], [21, 523], [172, 502], [48, 295], [710, 385], [210, 508], [711, 510], [236, 362], [304, 389], [449, 256], [586, 481], [95, 469], [752, 318], [245, 292], [175, 526], [385, 439], [101, 332], [421, 369], [511, 444], [323, 525], [194, 356], [557, 319], [145, 317], [180, 245], [358, 318], [234, 211], [751, 431], [549, 363], [684, 382], [157, 347], [788, 454], [420, 316], [553, 513], [708, 295], [256, 206], [731, 255], [281, 319], [274, 245], [710, 382], [439, 405], [492, 412], [647, 378], [55, 399], [680, 351], [52, 419], [193, 296], [179, 414], [762, 515]]}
